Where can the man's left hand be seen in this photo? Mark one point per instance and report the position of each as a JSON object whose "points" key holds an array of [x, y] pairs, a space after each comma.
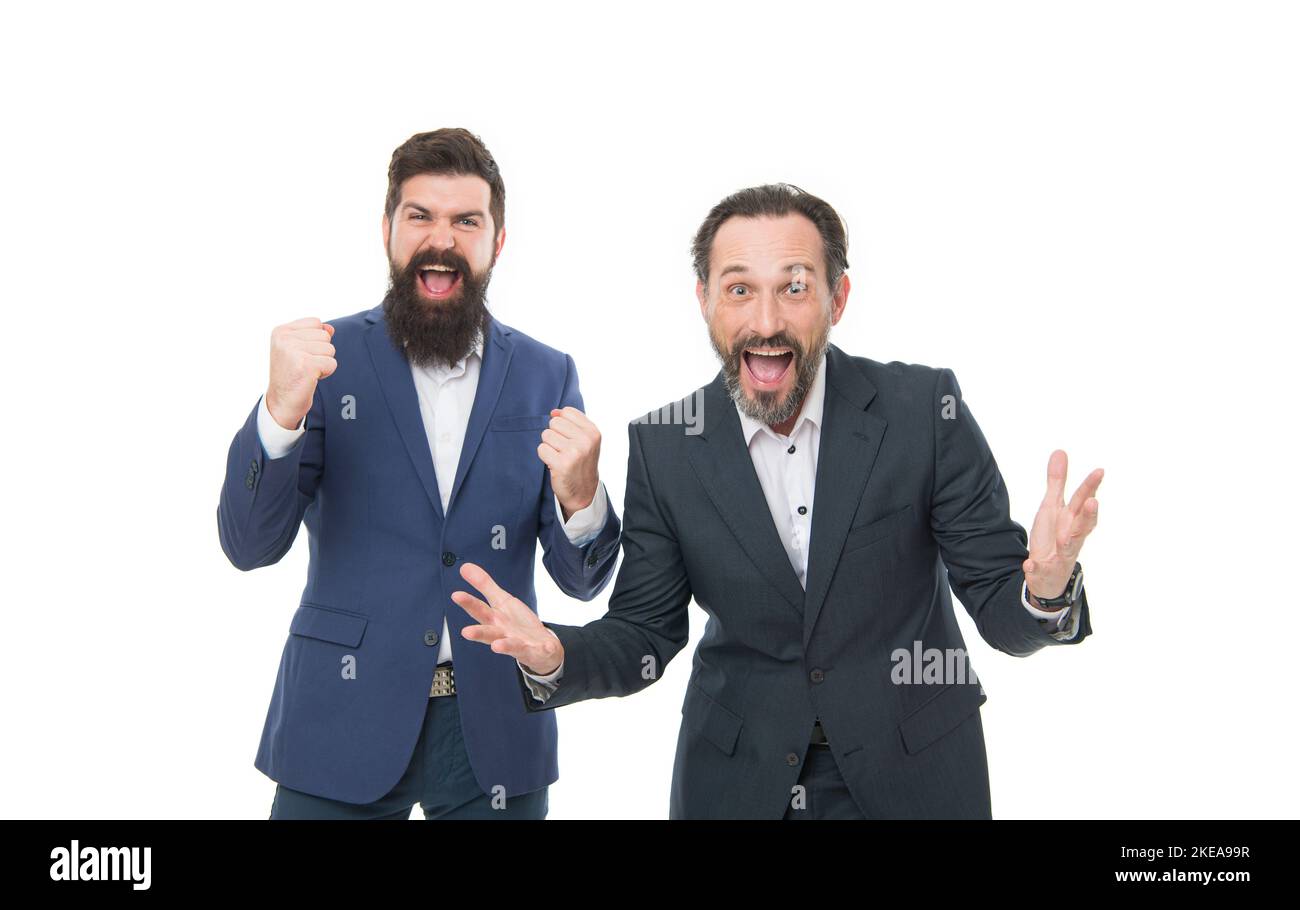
{"points": [[1059, 530], [570, 448]]}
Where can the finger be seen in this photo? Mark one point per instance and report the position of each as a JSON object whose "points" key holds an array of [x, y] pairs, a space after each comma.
{"points": [[327, 327], [480, 579], [304, 322], [1086, 490], [308, 334], [1081, 528], [1056, 466], [549, 455], [556, 441], [512, 646], [323, 348], [324, 366], [473, 606], [575, 416], [480, 633], [1076, 530], [567, 428]]}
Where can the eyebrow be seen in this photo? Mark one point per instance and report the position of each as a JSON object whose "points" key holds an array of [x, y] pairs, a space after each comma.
{"points": [[807, 267], [423, 211]]}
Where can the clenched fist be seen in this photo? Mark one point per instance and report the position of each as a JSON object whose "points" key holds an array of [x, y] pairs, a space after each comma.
{"points": [[570, 448], [301, 356]]}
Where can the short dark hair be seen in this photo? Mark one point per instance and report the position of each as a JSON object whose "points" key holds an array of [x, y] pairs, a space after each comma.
{"points": [[451, 150], [775, 200]]}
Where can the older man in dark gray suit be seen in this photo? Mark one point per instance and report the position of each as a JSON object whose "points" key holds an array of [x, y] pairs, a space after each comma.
{"points": [[818, 516]]}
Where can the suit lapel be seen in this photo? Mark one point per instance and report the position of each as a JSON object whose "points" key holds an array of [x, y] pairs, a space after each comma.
{"points": [[403, 404], [497, 351], [850, 441], [726, 471]]}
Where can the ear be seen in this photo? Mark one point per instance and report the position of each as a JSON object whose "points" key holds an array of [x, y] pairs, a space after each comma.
{"points": [[703, 297], [384, 225], [501, 242], [840, 299]]}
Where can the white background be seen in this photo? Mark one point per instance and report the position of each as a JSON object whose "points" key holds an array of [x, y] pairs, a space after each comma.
{"points": [[1087, 210]]}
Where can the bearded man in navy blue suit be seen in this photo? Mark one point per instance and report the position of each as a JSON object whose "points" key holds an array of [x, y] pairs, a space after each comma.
{"points": [[412, 438]]}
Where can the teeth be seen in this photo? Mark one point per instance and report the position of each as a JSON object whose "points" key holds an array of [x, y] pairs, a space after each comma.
{"points": [[766, 353], [438, 268]]}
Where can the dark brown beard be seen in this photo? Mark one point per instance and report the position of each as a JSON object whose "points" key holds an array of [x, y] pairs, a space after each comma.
{"points": [[428, 332]]}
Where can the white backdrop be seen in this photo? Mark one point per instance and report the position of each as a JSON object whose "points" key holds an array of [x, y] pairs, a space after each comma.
{"points": [[1087, 210]]}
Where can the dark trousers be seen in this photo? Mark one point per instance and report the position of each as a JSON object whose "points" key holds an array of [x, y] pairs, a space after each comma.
{"points": [[438, 777], [823, 794]]}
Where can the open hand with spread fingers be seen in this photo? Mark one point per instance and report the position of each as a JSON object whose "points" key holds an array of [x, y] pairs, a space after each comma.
{"points": [[507, 625], [1059, 530]]}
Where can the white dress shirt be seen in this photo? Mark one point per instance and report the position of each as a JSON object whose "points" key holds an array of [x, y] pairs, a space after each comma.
{"points": [[787, 472], [446, 395]]}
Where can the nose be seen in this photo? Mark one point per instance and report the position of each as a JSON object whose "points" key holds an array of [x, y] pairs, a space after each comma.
{"points": [[441, 236], [767, 319]]}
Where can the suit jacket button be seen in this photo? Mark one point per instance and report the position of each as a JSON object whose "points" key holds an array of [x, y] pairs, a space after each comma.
{"points": [[430, 638], [591, 558], [449, 558], [792, 759], [816, 675]]}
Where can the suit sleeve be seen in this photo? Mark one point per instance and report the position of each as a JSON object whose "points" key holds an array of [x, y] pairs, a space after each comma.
{"points": [[580, 571], [646, 625], [263, 499], [982, 548]]}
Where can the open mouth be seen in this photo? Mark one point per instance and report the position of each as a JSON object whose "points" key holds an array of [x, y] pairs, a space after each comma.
{"points": [[439, 281], [767, 366]]}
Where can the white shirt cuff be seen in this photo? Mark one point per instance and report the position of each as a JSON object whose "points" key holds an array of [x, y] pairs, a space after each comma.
{"points": [[584, 525], [541, 686], [276, 440], [550, 678]]}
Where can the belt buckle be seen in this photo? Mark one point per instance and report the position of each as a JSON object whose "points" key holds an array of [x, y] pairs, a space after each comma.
{"points": [[444, 681]]}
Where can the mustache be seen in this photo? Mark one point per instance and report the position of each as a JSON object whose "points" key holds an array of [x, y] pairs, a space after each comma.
{"points": [[449, 258], [779, 340]]}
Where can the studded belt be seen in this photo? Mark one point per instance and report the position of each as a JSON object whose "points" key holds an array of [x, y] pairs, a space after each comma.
{"points": [[444, 681]]}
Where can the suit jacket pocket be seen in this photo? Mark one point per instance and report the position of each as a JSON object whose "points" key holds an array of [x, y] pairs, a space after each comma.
{"points": [[536, 422], [719, 725], [866, 534], [328, 624], [953, 704]]}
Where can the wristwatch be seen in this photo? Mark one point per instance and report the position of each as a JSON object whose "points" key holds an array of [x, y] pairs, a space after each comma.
{"points": [[1072, 593]]}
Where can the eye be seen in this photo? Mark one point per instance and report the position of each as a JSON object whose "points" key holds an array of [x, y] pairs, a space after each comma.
{"points": [[415, 215], [796, 288], [737, 290], [472, 222]]}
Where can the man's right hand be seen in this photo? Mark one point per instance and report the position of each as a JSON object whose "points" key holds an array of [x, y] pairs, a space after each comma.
{"points": [[507, 625], [301, 356]]}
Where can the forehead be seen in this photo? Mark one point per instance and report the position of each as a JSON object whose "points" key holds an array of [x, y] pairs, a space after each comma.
{"points": [[765, 243], [446, 192]]}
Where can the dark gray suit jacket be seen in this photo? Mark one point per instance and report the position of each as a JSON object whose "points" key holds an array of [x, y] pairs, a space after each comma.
{"points": [[908, 501]]}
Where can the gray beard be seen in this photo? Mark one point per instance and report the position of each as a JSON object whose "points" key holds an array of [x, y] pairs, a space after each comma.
{"points": [[764, 406]]}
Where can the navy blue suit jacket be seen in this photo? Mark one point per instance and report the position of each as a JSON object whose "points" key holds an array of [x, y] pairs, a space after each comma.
{"points": [[384, 559]]}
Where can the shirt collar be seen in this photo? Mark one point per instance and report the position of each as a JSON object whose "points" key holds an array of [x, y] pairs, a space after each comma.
{"points": [[811, 410]]}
